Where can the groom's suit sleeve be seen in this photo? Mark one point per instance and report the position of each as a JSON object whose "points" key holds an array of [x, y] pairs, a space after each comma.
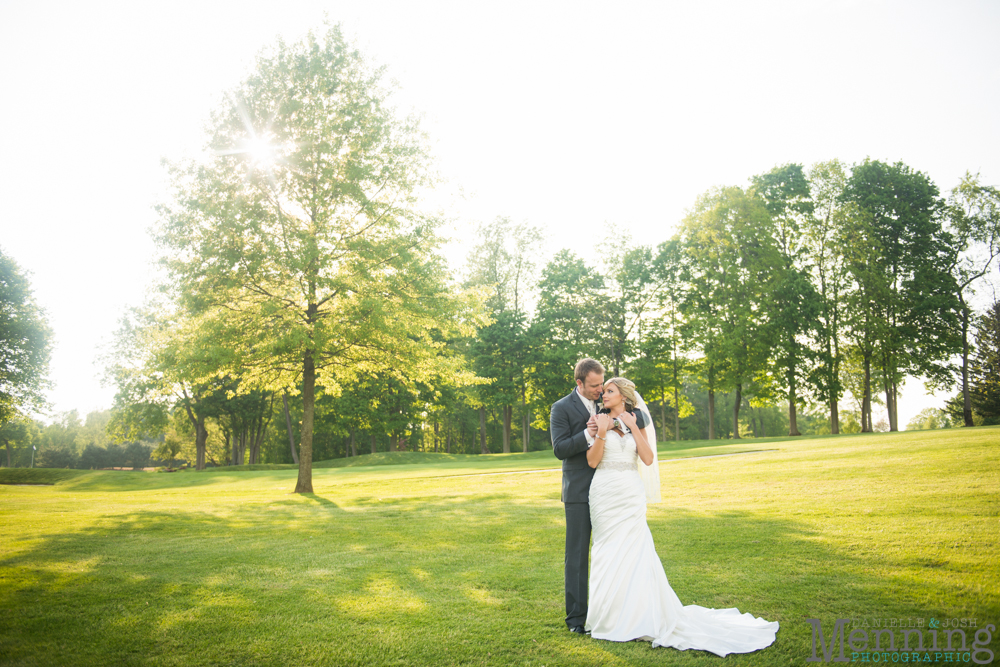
{"points": [[565, 443]]}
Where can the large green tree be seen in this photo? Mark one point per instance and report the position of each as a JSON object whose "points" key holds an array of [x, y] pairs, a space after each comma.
{"points": [[985, 372], [794, 303], [826, 260], [564, 329], [25, 344], [913, 317], [659, 369], [730, 272], [503, 261], [974, 215], [300, 247]]}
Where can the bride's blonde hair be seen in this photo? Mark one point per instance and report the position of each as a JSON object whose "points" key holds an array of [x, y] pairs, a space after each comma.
{"points": [[627, 388]]}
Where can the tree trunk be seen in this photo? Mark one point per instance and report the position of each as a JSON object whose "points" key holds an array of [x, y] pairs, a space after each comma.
{"points": [[507, 410], [677, 415], [436, 431], [200, 440], [793, 424], [392, 442], [890, 396], [525, 423], [711, 403], [834, 414], [231, 447], [482, 431], [7, 447], [677, 402], [866, 402], [894, 421], [291, 434], [354, 442], [374, 444], [966, 396], [304, 482], [200, 432], [736, 410], [447, 443]]}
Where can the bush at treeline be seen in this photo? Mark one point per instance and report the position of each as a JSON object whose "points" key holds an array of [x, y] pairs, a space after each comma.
{"points": [[69, 443]]}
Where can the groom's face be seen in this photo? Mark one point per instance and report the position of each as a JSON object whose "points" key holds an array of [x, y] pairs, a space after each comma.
{"points": [[592, 386]]}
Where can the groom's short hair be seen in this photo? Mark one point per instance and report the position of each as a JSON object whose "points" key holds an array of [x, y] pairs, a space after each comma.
{"points": [[585, 367]]}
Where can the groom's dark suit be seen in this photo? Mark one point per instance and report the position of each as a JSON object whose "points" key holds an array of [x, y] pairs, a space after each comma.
{"points": [[567, 426]]}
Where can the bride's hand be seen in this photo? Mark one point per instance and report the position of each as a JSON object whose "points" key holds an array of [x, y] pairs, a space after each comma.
{"points": [[628, 419], [603, 424]]}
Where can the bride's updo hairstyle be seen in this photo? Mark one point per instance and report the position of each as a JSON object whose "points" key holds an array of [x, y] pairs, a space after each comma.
{"points": [[627, 388]]}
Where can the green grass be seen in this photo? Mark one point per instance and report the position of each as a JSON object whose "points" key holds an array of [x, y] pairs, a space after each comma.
{"points": [[37, 475], [429, 559]]}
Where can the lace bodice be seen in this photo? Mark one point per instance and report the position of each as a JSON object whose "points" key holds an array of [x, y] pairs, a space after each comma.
{"points": [[619, 452]]}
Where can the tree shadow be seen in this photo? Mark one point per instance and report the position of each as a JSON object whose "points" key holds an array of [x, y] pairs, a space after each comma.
{"points": [[450, 577]]}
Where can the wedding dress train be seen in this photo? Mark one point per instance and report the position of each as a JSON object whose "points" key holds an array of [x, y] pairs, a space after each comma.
{"points": [[630, 597]]}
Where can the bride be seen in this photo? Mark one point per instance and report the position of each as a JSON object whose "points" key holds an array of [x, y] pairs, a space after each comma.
{"points": [[630, 597]]}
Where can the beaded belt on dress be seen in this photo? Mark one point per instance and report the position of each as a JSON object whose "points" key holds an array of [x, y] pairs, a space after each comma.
{"points": [[617, 465]]}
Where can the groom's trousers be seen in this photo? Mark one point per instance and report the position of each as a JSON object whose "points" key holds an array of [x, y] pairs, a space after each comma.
{"points": [[577, 552]]}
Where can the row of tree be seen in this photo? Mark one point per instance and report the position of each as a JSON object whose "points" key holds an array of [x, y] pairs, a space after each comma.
{"points": [[304, 287], [804, 287], [68, 442], [299, 269]]}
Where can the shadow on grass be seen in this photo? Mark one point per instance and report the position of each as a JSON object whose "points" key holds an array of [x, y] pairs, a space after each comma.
{"points": [[421, 580]]}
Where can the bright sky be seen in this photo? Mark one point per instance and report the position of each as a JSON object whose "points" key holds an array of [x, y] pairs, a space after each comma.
{"points": [[579, 117]]}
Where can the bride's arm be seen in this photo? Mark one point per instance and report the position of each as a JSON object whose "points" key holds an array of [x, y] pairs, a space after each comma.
{"points": [[596, 451], [642, 446], [641, 441]]}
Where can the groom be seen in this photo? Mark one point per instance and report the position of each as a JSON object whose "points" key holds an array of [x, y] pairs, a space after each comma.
{"points": [[573, 425]]}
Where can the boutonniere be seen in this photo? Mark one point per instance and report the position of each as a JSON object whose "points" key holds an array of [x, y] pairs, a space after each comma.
{"points": [[620, 425]]}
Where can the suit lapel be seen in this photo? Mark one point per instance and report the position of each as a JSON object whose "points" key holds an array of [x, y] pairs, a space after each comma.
{"points": [[574, 398]]}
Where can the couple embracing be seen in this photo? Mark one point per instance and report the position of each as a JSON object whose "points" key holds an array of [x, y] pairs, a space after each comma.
{"points": [[610, 471]]}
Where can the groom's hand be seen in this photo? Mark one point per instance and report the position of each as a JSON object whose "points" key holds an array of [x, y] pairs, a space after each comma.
{"points": [[629, 419], [592, 426]]}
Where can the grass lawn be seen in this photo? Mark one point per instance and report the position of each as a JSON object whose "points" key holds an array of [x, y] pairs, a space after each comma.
{"points": [[433, 559]]}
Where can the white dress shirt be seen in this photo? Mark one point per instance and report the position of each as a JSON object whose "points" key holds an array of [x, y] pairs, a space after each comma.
{"points": [[592, 409]]}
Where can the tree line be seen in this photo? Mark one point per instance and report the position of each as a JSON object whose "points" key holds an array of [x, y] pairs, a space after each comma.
{"points": [[305, 309]]}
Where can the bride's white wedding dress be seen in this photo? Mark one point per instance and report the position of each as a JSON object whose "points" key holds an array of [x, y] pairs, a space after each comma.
{"points": [[630, 597]]}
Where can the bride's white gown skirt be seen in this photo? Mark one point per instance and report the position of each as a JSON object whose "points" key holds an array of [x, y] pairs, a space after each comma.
{"points": [[630, 597]]}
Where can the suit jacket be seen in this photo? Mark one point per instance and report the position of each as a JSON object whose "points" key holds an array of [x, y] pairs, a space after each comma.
{"points": [[567, 427]]}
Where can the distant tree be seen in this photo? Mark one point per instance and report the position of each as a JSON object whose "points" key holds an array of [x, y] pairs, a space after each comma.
{"points": [[17, 436], [661, 366], [794, 303], [929, 419], [167, 450], [137, 455], [986, 366], [25, 344], [731, 257], [244, 417], [564, 329], [974, 216], [503, 262], [629, 300], [913, 316]]}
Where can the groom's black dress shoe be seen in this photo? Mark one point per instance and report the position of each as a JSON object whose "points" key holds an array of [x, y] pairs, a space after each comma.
{"points": [[578, 629]]}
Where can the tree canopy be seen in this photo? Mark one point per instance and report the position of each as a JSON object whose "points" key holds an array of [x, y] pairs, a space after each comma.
{"points": [[25, 344]]}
